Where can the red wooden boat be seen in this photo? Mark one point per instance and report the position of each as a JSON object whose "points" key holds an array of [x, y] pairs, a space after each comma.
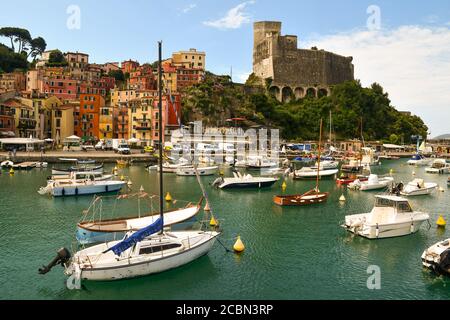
{"points": [[308, 198], [347, 180], [313, 196]]}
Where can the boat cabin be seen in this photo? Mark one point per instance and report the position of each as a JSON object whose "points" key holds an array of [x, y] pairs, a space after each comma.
{"points": [[85, 175], [387, 208]]}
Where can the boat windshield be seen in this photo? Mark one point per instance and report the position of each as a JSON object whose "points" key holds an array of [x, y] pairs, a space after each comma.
{"points": [[404, 207], [383, 202]]}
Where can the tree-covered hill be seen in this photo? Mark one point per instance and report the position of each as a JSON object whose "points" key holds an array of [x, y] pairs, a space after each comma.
{"points": [[217, 99]]}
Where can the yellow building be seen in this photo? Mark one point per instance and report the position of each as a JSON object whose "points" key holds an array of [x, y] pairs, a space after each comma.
{"points": [[106, 122], [62, 122], [122, 96], [140, 115], [42, 114], [190, 59]]}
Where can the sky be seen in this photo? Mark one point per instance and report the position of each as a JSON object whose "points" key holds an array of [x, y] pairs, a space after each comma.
{"points": [[403, 45]]}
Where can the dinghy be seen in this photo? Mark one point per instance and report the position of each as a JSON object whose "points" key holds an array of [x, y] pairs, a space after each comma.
{"points": [[308, 173], [439, 166], [244, 181], [373, 183]]}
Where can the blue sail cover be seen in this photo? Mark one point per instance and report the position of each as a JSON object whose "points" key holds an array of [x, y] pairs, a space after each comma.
{"points": [[137, 237]]}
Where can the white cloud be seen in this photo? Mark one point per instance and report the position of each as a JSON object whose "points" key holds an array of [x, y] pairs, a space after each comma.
{"points": [[243, 76], [189, 8], [432, 19], [234, 18], [412, 63]]}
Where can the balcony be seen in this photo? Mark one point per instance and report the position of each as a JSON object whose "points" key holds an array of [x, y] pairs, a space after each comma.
{"points": [[142, 128]]}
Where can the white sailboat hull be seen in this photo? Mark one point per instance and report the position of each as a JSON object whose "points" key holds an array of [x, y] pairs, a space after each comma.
{"points": [[95, 187], [143, 265]]}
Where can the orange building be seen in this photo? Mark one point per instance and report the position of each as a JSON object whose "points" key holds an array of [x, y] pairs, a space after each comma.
{"points": [[88, 122], [129, 66]]}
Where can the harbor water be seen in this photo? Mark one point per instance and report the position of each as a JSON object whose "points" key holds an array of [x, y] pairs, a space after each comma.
{"points": [[291, 253]]}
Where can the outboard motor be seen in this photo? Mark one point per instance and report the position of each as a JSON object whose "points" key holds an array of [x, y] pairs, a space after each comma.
{"points": [[396, 189], [62, 257], [217, 182], [443, 267]]}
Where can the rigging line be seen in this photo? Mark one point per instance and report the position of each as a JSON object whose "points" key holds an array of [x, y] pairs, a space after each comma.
{"points": [[226, 249]]}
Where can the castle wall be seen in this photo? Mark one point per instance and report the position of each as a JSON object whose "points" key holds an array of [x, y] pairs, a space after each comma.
{"points": [[296, 72]]}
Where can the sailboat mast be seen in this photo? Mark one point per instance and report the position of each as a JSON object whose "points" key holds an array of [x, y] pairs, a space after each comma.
{"points": [[331, 141], [161, 187], [318, 158]]}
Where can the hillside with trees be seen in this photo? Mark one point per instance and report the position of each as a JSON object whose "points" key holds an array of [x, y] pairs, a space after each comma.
{"points": [[217, 99], [22, 48]]}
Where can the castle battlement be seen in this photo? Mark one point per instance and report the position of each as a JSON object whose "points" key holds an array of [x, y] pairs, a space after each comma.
{"points": [[295, 72]]}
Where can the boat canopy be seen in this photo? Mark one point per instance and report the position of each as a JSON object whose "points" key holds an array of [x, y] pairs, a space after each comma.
{"points": [[417, 157], [136, 237]]}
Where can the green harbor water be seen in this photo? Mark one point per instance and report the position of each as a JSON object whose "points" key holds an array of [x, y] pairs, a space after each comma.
{"points": [[291, 253]]}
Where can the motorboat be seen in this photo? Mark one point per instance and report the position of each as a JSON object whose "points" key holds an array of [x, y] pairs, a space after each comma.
{"points": [[373, 183], [260, 163], [352, 166], [419, 160], [418, 187], [439, 166], [244, 181], [95, 231], [348, 179], [369, 158], [326, 165], [41, 164], [388, 157], [80, 183], [170, 167], [82, 176], [437, 257], [78, 168], [202, 171], [7, 164], [392, 216], [308, 173]]}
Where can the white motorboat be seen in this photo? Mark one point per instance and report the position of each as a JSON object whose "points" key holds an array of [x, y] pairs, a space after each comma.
{"points": [[244, 181], [326, 165], [173, 167], [369, 158], [419, 160], [41, 164], [82, 176], [78, 168], [259, 163], [240, 164], [391, 216], [308, 173], [202, 171], [76, 185], [373, 183], [437, 257], [418, 187], [439, 166], [6, 164], [352, 166]]}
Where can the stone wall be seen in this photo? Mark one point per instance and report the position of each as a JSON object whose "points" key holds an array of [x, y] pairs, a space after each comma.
{"points": [[295, 72]]}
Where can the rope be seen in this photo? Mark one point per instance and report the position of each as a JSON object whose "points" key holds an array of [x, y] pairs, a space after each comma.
{"points": [[226, 249]]}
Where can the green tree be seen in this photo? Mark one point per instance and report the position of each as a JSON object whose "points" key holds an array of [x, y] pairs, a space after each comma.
{"points": [[56, 59]]}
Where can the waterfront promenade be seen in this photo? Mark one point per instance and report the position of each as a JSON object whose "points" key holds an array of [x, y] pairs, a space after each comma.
{"points": [[99, 156]]}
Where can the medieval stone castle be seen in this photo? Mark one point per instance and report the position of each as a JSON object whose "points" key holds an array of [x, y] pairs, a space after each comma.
{"points": [[295, 73]]}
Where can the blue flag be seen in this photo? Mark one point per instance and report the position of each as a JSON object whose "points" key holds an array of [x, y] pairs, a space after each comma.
{"points": [[137, 237]]}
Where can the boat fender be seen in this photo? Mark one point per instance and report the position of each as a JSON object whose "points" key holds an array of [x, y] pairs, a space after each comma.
{"points": [[62, 257], [412, 226], [106, 188], [377, 231], [76, 191], [63, 191]]}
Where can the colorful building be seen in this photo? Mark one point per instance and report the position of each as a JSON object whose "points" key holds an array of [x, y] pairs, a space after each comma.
{"points": [[191, 59], [129, 66], [62, 122], [120, 121], [7, 122], [140, 117], [43, 114], [88, 122], [106, 122], [142, 78], [14, 81]]}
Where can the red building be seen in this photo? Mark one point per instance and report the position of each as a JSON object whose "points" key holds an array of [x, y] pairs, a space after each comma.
{"points": [[7, 122], [187, 77], [129, 66], [88, 122], [143, 78]]}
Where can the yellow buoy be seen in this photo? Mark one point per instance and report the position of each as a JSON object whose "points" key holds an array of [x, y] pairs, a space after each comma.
{"points": [[441, 189], [168, 197], [283, 186], [11, 171], [413, 173], [206, 208], [441, 222], [122, 178], [221, 173], [213, 222], [130, 183], [342, 198], [239, 245], [391, 171]]}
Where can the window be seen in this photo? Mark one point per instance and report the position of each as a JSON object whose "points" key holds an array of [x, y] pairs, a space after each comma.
{"points": [[58, 123], [158, 248]]}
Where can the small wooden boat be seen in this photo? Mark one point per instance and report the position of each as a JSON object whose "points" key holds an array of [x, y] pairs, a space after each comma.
{"points": [[308, 198], [313, 196], [345, 180]]}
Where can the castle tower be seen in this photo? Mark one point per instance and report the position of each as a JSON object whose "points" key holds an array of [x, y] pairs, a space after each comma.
{"points": [[265, 35]]}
